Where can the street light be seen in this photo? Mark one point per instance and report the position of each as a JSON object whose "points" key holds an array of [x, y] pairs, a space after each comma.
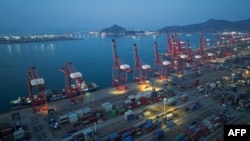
{"points": [[206, 90], [233, 77], [164, 102]]}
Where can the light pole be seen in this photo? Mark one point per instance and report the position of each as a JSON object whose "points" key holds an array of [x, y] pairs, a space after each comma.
{"points": [[164, 102], [206, 90], [233, 77]]}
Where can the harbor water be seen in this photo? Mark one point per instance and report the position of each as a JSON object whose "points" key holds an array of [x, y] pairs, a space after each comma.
{"points": [[92, 56]]}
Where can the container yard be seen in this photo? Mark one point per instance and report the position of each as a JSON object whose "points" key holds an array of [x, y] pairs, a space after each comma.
{"points": [[192, 95]]}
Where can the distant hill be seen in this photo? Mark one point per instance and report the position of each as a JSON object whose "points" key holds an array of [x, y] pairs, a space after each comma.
{"points": [[115, 29], [118, 30], [211, 26]]}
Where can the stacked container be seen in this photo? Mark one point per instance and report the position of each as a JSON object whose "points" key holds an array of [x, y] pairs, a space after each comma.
{"points": [[113, 113], [63, 119], [72, 117], [138, 96], [86, 110], [107, 106], [148, 94], [79, 113], [148, 126], [144, 101], [128, 115], [131, 97]]}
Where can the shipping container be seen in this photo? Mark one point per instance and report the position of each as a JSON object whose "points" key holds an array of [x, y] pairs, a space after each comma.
{"points": [[144, 101], [72, 117], [158, 123], [131, 97], [79, 114], [66, 137], [108, 107], [86, 110], [159, 135], [196, 132], [63, 119], [114, 136], [169, 117], [181, 137], [127, 115]]}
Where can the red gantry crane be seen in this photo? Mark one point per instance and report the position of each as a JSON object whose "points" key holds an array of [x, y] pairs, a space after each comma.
{"points": [[120, 70], [38, 102], [202, 56], [141, 70], [160, 66], [176, 53], [73, 82]]}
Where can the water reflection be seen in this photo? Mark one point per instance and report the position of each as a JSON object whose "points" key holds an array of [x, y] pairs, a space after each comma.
{"points": [[24, 49], [18, 49], [9, 49]]}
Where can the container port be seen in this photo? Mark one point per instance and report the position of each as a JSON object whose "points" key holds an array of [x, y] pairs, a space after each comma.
{"points": [[192, 95]]}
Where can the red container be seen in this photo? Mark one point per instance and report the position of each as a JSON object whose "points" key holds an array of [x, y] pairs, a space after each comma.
{"points": [[144, 101], [155, 99]]}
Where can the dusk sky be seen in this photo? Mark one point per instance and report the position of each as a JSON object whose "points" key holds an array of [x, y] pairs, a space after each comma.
{"points": [[130, 14]]}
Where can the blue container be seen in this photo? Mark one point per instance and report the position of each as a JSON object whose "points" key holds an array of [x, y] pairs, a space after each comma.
{"points": [[159, 134], [130, 117], [113, 135], [148, 121], [148, 125], [126, 134], [158, 123], [129, 138]]}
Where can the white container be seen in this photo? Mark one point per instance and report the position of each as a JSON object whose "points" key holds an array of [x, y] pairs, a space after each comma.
{"points": [[126, 114], [148, 94], [108, 107], [104, 105], [86, 110], [169, 116], [86, 133], [138, 96], [212, 85], [63, 119], [127, 102], [218, 83], [73, 117], [79, 113], [131, 97]]}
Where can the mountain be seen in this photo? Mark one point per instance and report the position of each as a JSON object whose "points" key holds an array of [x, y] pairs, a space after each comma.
{"points": [[211, 26], [118, 30], [115, 29]]}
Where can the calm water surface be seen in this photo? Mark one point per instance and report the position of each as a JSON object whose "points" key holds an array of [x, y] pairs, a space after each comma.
{"points": [[92, 56]]}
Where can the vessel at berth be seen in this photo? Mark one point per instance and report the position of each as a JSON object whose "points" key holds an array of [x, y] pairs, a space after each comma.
{"points": [[51, 95]]}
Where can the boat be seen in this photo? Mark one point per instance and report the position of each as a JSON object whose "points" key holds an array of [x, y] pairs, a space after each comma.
{"points": [[90, 87], [21, 101], [54, 95], [51, 95]]}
